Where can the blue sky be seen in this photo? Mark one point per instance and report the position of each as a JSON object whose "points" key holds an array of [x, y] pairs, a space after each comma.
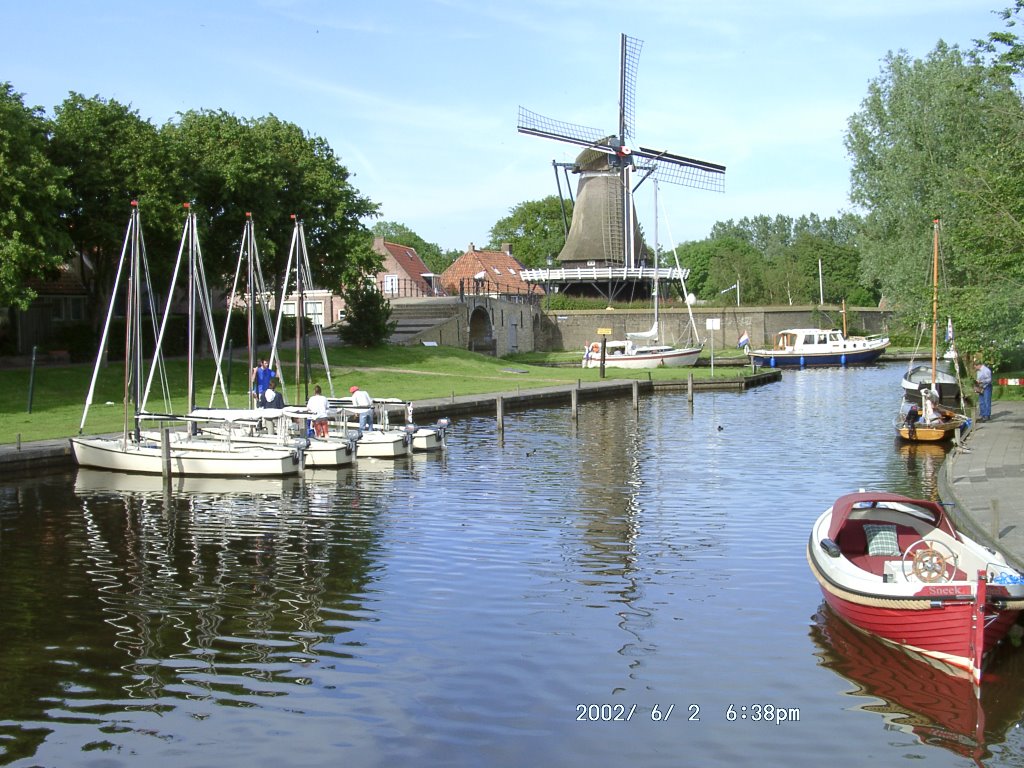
{"points": [[419, 99]]}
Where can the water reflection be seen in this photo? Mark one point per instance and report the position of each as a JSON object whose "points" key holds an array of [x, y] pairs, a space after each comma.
{"points": [[923, 462], [912, 696], [444, 606]]}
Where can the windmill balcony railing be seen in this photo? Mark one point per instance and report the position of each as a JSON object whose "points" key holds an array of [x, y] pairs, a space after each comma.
{"points": [[563, 275]]}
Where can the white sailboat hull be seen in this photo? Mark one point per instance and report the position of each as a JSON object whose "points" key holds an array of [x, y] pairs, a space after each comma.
{"points": [[643, 357], [146, 457], [379, 444]]}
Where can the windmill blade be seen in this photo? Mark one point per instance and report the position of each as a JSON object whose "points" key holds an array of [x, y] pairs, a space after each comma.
{"points": [[627, 86], [686, 171], [538, 125]]}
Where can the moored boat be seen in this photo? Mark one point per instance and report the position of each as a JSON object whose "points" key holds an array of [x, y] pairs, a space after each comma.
{"points": [[931, 410], [899, 569], [630, 354], [806, 347]]}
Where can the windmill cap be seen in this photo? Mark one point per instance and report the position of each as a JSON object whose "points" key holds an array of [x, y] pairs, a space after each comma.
{"points": [[353, 389]]}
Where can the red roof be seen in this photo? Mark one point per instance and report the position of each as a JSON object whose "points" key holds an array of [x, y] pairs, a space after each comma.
{"points": [[403, 261], [497, 269]]}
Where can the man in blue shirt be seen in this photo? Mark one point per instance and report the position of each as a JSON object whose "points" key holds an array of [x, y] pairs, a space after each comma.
{"points": [[261, 376], [983, 386]]}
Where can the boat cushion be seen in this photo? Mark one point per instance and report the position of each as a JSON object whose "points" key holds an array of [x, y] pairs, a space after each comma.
{"points": [[882, 540]]}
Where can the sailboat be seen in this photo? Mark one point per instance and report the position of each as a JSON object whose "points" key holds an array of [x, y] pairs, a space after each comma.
{"points": [[276, 426], [163, 451], [928, 409], [640, 349]]}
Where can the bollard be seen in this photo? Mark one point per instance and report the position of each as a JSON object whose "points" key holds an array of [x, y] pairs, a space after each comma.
{"points": [[500, 402], [31, 379]]}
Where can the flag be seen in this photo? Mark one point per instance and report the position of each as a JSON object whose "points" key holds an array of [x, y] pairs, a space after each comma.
{"points": [[744, 341], [949, 329]]}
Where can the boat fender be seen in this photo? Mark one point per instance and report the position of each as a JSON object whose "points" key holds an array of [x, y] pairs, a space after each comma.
{"points": [[830, 547]]}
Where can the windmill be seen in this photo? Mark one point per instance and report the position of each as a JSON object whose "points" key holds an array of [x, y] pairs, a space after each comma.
{"points": [[604, 213]]}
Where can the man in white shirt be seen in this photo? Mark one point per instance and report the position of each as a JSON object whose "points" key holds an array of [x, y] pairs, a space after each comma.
{"points": [[318, 405], [363, 404]]}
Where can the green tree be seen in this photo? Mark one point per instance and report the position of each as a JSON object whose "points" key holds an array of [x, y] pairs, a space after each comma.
{"points": [[368, 320], [273, 169], [113, 157], [535, 229], [941, 137], [33, 242]]}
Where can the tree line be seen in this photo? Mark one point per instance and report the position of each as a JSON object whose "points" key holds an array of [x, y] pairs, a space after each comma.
{"points": [[938, 137], [67, 182]]}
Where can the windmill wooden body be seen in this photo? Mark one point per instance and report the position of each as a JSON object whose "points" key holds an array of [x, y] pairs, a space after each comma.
{"points": [[604, 241]]}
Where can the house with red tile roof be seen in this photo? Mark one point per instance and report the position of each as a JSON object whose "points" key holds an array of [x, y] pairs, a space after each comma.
{"points": [[404, 274], [480, 271]]}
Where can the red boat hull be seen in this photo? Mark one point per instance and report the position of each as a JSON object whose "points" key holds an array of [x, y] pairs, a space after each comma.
{"points": [[945, 633]]}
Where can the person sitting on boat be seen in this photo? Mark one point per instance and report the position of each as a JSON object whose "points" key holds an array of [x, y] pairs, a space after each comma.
{"points": [[363, 404], [271, 397], [318, 405], [913, 414]]}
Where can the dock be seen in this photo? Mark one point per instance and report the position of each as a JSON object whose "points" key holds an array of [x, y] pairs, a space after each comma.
{"points": [[40, 455], [984, 481]]}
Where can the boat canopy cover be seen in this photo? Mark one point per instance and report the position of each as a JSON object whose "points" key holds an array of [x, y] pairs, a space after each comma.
{"points": [[930, 511], [644, 335]]}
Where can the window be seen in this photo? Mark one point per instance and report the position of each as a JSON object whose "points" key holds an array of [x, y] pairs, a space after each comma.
{"points": [[391, 284], [315, 312]]}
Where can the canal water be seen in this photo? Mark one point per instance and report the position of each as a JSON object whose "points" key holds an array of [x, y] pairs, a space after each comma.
{"points": [[627, 589]]}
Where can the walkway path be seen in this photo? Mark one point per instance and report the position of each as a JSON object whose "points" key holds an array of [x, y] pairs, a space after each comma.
{"points": [[984, 479]]}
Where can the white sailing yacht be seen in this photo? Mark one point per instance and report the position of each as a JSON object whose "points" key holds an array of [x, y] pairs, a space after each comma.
{"points": [[163, 451]]}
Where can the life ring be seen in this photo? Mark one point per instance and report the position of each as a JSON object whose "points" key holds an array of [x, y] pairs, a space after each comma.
{"points": [[595, 348]]}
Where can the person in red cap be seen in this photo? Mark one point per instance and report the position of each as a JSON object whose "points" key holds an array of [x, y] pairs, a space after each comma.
{"points": [[363, 404]]}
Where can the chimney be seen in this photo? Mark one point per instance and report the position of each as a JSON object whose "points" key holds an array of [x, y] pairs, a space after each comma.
{"points": [[506, 248]]}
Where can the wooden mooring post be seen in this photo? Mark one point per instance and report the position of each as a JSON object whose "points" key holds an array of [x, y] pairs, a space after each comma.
{"points": [[574, 398], [500, 402], [165, 452]]}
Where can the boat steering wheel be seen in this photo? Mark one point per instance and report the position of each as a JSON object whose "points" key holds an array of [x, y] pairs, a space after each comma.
{"points": [[928, 563]]}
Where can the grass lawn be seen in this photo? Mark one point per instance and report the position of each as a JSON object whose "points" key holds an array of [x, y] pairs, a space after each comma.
{"points": [[58, 393]]}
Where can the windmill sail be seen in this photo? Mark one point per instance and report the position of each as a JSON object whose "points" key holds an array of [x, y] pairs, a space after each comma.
{"points": [[604, 229]]}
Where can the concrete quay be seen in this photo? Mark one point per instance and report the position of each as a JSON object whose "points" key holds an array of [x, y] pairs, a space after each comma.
{"points": [[984, 480], [21, 458]]}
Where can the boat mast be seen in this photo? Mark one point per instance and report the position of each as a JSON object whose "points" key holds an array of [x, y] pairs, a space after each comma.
{"points": [[657, 262], [935, 298]]}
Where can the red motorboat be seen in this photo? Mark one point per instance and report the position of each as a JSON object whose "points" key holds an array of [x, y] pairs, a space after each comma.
{"points": [[898, 568]]}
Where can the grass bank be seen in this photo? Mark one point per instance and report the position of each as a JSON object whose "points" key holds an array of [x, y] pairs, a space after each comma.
{"points": [[58, 393]]}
